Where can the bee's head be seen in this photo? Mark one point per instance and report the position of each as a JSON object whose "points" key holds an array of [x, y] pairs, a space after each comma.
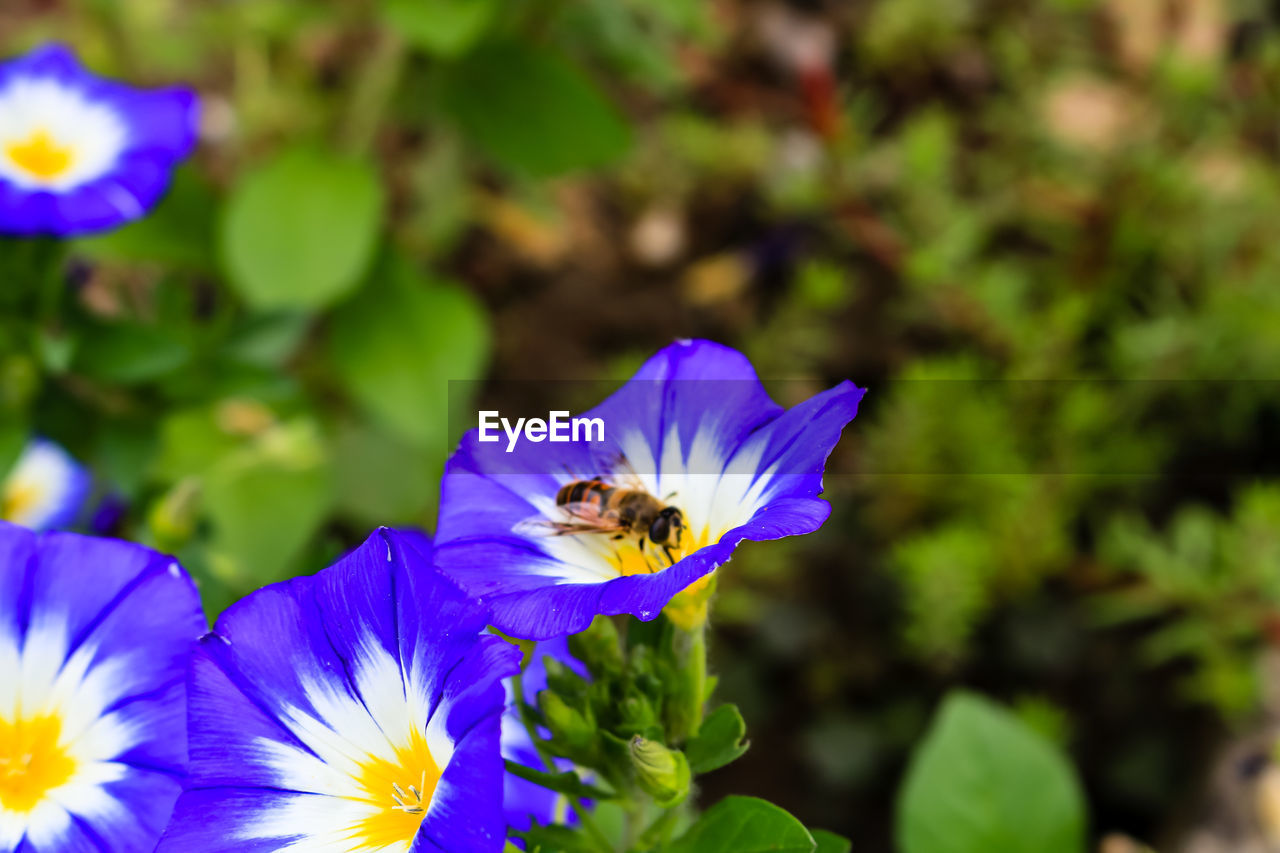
{"points": [[667, 527]]}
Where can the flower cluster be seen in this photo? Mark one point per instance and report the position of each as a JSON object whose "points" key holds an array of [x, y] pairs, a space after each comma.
{"points": [[367, 707]]}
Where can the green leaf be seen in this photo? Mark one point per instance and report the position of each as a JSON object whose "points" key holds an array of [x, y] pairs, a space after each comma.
{"points": [[265, 503], [13, 439], [556, 839], [720, 740], [266, 340], [443, 27], [124, 452], [397, 347], [300, 231], [191, 441], [532, 111], [562, 783], [745, 825], [983, 781], [829, 842], [382, 479], [130, 353]]}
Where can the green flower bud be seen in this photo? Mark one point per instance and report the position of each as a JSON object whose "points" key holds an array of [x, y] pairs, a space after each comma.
{"points": [[172, 518], [598, 646], [567, 724], [636, 712], [662, 773]]}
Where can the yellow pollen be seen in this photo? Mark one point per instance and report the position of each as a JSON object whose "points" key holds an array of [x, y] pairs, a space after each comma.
{"points": [[401, 789], [628, 559], [33, 761], [40, 156]]}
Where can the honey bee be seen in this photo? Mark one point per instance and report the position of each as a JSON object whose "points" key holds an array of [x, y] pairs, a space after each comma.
{"points": [[623, 510]]}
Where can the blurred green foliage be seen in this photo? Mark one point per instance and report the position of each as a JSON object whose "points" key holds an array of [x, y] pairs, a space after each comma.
{"points": [[982, 781]]}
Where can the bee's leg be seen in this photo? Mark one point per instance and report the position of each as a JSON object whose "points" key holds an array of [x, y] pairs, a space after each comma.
{"points": [[671, 560], [643, 545]]}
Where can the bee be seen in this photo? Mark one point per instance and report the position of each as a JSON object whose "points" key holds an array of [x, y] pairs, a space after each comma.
{"points": [[622, 510]]}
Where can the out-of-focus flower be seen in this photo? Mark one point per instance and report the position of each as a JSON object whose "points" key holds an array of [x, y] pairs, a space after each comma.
{"points": [[659, 236], [79, 154], [45, 489], [695, 430], [355, 710], [95, 636], [1092, 114]]}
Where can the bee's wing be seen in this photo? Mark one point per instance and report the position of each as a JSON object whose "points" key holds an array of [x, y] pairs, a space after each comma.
{"points": [[581, 517], [617, 468]]}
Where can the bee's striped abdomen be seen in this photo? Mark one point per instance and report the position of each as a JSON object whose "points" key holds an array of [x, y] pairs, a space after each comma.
{"points": [[584, 491]]}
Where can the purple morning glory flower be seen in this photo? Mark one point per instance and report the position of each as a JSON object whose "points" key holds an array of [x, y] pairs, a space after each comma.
{"points": [[79, 154], [354, 710], [695, 429], [95, 636], [45, 488]]}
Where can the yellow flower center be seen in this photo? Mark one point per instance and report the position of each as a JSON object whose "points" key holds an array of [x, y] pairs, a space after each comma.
{"points": [[33, 761], [18, 499], [401, 788], [40, 156], [628, 559]]}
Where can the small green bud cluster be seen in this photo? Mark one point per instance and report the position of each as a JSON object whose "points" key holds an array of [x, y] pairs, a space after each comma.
{"points": [[635, 726]]}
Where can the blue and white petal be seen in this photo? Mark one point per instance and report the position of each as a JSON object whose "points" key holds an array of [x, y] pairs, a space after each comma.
{"points": [[95, 635], [46, 487], [354, 710], [694, 423], [79, 154]]}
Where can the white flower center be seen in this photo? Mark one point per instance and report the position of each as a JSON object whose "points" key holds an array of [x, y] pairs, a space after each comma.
{"points": [[55, 138]]}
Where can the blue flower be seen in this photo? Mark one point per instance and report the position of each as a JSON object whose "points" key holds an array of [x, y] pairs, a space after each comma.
{"points": [[79, 154], [357, 709], [45, 489], [525, 801], [697, 431], [95, 636]]}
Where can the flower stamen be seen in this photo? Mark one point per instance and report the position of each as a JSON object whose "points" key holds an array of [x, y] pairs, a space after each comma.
{"points": [[412, 802]]}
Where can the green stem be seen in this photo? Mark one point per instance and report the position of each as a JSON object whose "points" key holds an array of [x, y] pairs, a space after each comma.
{"points": [[658, 833], [684, 713], [630, 819], [49, 280], [531, 726], [372, 92]]}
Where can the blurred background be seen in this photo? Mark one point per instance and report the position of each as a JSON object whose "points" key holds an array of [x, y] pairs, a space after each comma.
{"points": [[1043, 234]]}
